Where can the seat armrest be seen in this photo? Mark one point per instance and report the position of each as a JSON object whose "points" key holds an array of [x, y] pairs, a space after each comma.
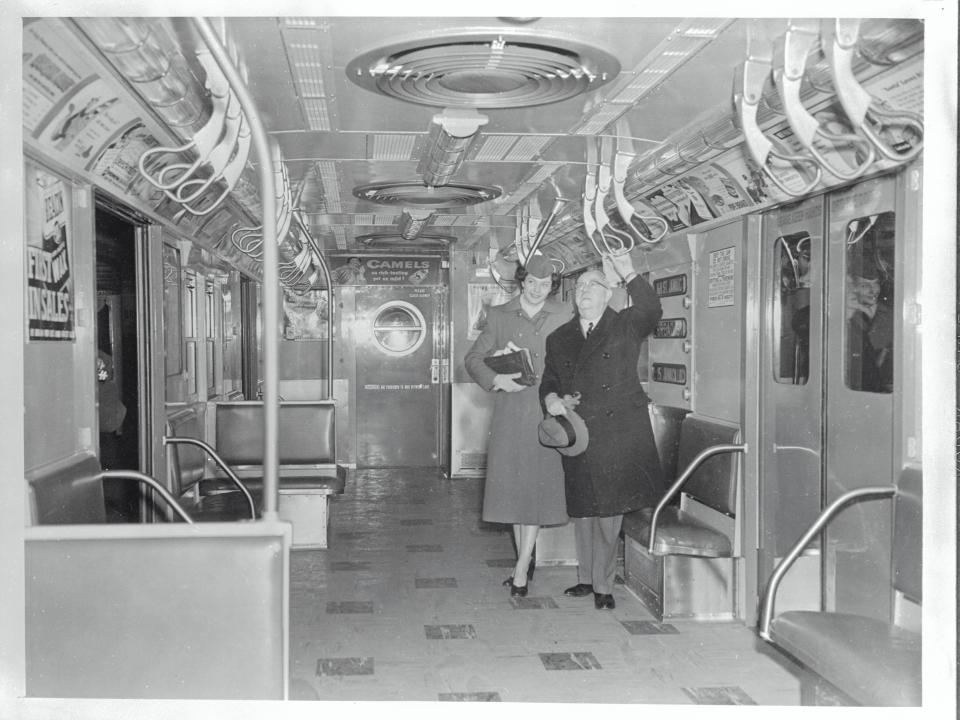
{"points": [[825, 517], [684, 476]]}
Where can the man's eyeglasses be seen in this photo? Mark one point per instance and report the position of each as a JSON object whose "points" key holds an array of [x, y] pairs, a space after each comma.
{"points": [[589, 285]]}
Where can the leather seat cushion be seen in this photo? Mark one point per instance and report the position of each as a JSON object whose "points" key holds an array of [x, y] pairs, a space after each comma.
{"points": [[678, 533], [223, 507], [333, 482], [873, 662]]}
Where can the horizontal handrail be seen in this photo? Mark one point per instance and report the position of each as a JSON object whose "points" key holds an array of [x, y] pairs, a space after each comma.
{"points": [[147, 480], [675, 488], [832, 510], [172, 440]]}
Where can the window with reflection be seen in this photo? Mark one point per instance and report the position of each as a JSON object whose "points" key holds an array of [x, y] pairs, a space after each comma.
{"points": [[793, 276], [190, 324], [210, 305], [868, 300], [230, 322], [172, 313], [399, 328]]}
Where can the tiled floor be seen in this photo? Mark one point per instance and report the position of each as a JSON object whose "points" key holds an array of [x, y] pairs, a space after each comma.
{"points": [[407, 604]]}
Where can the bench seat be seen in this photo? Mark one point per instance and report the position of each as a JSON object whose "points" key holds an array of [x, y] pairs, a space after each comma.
{"points": [[690, 571], [678, 533], [869, 661], [308, 473], [873, 662]]}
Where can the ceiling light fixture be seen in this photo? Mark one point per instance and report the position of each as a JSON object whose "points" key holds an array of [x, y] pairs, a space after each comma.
{"points": [[412, 222], [451, 134]]}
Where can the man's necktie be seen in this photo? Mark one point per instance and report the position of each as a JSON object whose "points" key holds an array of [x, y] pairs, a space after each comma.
{"points": [[589, 329]]}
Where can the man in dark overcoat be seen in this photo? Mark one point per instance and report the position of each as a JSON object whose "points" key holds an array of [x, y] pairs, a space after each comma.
{"points": [[591, 364]]}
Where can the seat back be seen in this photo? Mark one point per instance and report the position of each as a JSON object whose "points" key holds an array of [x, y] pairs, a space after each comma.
{"points": [[306, 433], [186, 463], [714, 483], [165, 610], [67, 492], [908, 534], [666, 422]]}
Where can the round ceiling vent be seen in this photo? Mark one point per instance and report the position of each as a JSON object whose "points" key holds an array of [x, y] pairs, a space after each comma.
{"points": [[394, 240], [416, 194], [484, 69]]}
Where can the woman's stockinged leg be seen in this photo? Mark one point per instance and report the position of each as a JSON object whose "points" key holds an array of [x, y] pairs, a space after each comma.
{"points": [[527, 541]]}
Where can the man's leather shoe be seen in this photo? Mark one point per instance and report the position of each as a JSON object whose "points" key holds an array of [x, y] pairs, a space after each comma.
{"points": [[603, 601], [579, 590]]}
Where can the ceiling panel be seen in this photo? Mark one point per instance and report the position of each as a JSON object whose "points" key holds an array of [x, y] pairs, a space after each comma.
{"points": [[336, 135]]}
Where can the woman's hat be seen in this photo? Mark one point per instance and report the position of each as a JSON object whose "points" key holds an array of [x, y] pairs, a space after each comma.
{"points": [[567, 433], [540, 266]]}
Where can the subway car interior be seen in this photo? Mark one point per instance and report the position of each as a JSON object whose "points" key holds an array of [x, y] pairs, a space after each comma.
{"points": [[248, 255]]}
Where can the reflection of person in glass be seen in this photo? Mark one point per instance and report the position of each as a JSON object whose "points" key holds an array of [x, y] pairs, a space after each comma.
{"points": [[795, 282], [524, 480], [868, 367]]}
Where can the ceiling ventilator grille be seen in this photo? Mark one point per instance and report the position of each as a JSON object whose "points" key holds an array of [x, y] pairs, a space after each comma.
{"points": [[394, 241], [417, 195], [484, 70]]}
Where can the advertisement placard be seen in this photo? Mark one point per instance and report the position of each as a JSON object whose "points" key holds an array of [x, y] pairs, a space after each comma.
{"points": [[50, 299], [384, 270]]}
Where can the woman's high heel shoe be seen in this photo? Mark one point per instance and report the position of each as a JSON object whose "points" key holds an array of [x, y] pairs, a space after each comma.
{"points": [[516, 591], [530, 568]]}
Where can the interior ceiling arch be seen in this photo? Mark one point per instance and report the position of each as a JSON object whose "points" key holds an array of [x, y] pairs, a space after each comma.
{"points": [[351, 106]]}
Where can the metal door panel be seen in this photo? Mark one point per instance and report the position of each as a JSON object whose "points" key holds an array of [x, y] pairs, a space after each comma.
{"points": [[717, 321], [397, 377], [791, 381], [859, 417]]}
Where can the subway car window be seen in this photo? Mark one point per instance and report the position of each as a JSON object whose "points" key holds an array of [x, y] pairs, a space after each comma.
{"points": [[172, 312], [191, 321], [399, 329], [230, 319], [794, 277], [210, 302], [869, 276]]}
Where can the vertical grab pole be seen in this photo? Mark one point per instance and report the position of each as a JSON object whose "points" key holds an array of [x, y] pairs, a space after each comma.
{"points": [[330, 304], [271, 285]]}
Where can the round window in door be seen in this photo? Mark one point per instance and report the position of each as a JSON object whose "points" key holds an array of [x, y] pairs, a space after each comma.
{"points": [[399, 328]]}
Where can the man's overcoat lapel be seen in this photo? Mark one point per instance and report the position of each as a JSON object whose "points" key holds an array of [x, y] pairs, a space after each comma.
{"points": [[596, 338]]}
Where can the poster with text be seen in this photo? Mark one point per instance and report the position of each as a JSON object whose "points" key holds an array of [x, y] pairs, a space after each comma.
{"points": [[50, 306], [720, 282], [50, 73], [382, 270]]}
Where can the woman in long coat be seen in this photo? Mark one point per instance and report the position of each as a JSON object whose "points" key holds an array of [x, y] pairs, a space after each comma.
{"points": [[524, 480]]}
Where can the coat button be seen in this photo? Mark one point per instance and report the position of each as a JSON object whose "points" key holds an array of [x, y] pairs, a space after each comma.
{"points": [[605, 386], [609, 413], [606, 356]]}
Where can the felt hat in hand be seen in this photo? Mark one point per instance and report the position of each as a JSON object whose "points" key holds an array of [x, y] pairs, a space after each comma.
{"points": [[567, 433]]}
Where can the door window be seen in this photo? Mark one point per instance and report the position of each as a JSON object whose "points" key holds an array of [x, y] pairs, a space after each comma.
{"points": [[399, 328], [868, 293], [794, 278]]}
